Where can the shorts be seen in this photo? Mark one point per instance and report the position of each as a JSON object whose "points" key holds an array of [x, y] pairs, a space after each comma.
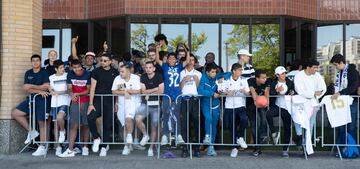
{"points": [[41, 109], [154, 111], [78, 113], [56, 110]]}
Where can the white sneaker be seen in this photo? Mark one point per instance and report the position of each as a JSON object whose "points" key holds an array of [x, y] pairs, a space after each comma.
{"points": [[126, 151], [40, 151], [241, 142], [275, 136], [96, 144], [77, 150], [138, 147], [144, 140], [164, 140], [62, 136], [67, 153], [180, 140], [31, 136], [129, 139], [107, 147], [131, 147], [234, 152], [58, 150], [103, 152], [150, 152], [85, 151]]}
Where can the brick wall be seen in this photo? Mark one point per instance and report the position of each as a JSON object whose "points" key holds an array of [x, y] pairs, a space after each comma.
{"points": [[21, 37]]}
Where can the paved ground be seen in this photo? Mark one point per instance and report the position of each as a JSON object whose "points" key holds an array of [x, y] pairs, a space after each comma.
{"points": [[138, 160]]}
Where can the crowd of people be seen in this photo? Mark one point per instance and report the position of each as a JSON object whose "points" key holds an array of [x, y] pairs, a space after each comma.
{"points": [[180, 94]]}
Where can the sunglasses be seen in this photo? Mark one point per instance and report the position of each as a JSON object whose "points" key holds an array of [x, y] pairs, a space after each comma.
{"points": [[104, 60]]}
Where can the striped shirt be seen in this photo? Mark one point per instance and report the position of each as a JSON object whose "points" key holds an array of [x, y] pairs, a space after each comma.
{"points": [[248, 71]]}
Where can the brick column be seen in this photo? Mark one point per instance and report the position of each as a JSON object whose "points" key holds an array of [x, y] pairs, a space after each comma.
{"points": [[21, 37]]}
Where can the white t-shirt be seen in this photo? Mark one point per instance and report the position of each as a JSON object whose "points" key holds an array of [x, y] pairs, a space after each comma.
{"points": [[58, 84], [127, 105], [280, 101], [189, 86], [239, 98], [338, 111]]}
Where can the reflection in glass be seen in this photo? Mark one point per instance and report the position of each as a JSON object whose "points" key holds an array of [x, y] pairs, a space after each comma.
{"points": [[175, 33], [99, 36], [204, 39], [142, 35], [353, 44]]}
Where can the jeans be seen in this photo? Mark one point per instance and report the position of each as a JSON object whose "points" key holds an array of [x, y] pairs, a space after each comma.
{"points": [[275, 111], [190, 115], [350, 128], [170, 117], [234, 118]]}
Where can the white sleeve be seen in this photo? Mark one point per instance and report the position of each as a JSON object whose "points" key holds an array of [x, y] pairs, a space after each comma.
{"points": [[321, 86], [199, 75], [115, 83], [182, 75], [300, 87], [137, 84]]}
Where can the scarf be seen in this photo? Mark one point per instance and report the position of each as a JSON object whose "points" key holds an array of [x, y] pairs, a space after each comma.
{"points": [[341, 80]]}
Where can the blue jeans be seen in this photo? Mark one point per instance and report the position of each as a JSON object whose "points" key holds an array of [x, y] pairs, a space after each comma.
{"points": [[170, 117], [349, 128], [211, 121]]}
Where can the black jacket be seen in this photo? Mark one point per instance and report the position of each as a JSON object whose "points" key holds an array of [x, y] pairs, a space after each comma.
{"points": [[353, 80], [273, 92]]}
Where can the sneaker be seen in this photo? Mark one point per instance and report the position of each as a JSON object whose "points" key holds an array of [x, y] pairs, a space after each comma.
{"points": [[129, 139], [264, 140], [31, 136], [207, 139], [103, 152], [40, 151], [107, 147], [144, 140], [256, 153], [85, 151], [58, 151], [241, 142], [275, 137], [234, 152], [77, 150], [164, 140], [150, 152], [62, 136], [138, 147], [180, 140], [285, 154], [67, 153], [131, 147], [96, 144], [211, 151], [126, 151]]}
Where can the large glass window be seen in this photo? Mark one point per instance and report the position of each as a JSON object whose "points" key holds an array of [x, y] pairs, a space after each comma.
{"points": [[329, 43], [204, 39], [100, 32], [142, 35], [353, 44], [266, 44], [118, 36]]}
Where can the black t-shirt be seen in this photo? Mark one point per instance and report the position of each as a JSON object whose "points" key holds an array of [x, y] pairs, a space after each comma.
{"points": [[151, 83], [158, 68], [260, 89], [50, 69], [38, 78], [104, 79]]}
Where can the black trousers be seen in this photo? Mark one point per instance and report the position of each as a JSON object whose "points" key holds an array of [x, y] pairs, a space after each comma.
{"points": [[190, 115]]}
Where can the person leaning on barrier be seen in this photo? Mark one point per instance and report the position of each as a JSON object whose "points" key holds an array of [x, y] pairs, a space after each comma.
{"points": [[101, 83], [189, 113], [125, 85], [36, 82], [78, 82], [151, 83], [279, 87], [259, 86], [60, 101], [210, 104], [346, 82], [236, 88]]}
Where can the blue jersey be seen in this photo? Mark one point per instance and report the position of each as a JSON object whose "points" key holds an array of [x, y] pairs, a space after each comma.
{"points": [[172, 79]]}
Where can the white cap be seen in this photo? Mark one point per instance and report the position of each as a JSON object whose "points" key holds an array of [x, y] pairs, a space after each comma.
{"points": [[280, 70], [244, 52]]}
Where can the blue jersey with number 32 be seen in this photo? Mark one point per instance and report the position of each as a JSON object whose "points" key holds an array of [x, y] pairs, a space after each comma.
{"points": [[172, 79]]}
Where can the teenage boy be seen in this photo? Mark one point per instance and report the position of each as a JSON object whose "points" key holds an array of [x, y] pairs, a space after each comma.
{"points": [[236, 88], [101, 82], [36, 81], [190, 79], [78, 81], [60, 101], [209, 105], [151, 83], [125, 85]]}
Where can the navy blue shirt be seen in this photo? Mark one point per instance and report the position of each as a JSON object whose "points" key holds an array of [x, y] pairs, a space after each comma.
{"points": [[38, 78]]}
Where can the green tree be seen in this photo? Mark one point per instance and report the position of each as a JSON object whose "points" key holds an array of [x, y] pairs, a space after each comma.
{"points": [[140, 38], [196, 41]]}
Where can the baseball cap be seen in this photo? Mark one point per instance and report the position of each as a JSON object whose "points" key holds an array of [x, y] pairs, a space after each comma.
{"points": [[244, 52], [90, 54], [279, 70]]}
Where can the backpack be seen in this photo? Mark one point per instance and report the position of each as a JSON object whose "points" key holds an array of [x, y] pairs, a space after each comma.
{"points": [[350, 151]]}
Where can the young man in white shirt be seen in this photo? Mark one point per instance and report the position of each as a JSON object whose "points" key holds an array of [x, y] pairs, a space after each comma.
{"points": [[281, 86], [125, 85], [60, 102], [189, 82], [310, 85], [236, 88]]}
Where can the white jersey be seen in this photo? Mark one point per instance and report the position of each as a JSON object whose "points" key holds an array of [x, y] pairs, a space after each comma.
{"points": [[239, 98], [338, 111], [127, 105], [58, 84], [189, 87]]}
